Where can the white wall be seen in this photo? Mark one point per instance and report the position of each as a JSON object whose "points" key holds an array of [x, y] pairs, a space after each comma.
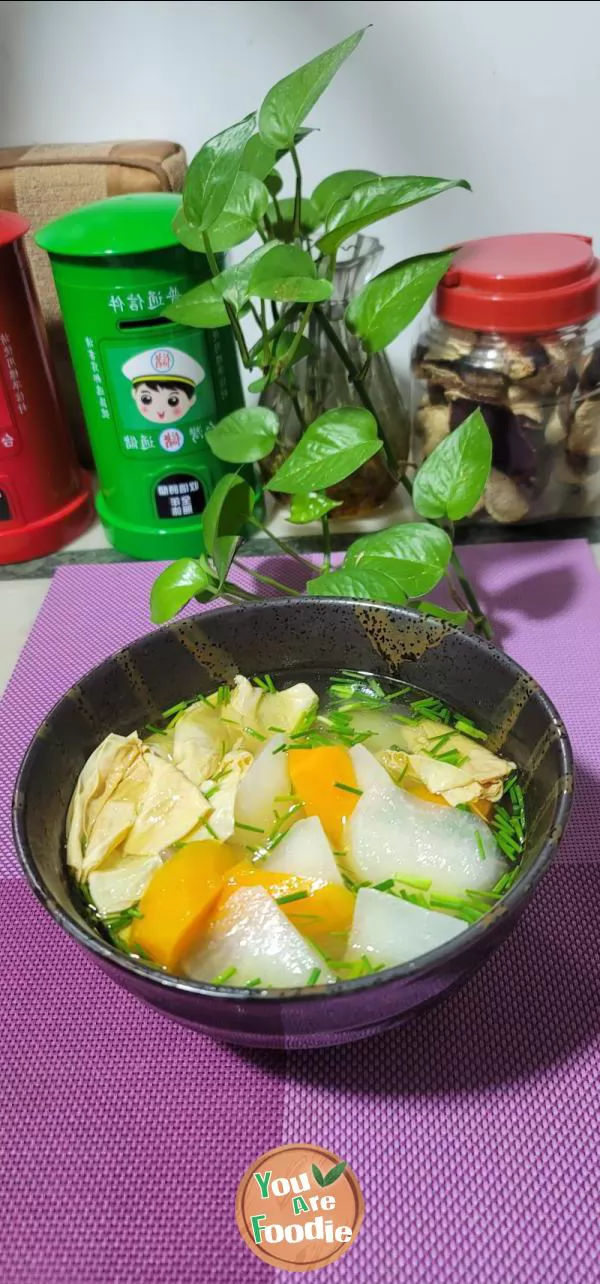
{"points": [[505, 94]]}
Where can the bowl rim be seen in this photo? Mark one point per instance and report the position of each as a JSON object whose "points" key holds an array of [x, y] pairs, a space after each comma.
{"points": [[517, 896]]}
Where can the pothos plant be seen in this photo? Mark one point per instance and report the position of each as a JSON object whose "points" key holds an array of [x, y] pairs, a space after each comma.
{"points": [[232, 193]]}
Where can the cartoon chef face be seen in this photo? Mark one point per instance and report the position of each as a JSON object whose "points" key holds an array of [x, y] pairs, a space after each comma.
{"points": [[163, 383]]}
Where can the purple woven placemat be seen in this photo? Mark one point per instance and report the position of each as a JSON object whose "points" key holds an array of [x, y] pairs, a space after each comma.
{"points": [[474, 1132]]}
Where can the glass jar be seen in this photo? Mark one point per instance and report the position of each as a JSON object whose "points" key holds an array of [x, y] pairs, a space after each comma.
{"points": [[515, 332], [320, 382]]}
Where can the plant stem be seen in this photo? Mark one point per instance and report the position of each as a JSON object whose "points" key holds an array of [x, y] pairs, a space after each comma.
{"points": [[480, 622], [233, 321], [298, 193], [326, 542], [287, 549], [234, 591], [355, 378], [279, 383], [265, 329], [265, 579], [289, 315]]}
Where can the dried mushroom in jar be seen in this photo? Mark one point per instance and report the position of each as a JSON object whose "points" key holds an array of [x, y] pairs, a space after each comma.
{"points": [[526, 389]]}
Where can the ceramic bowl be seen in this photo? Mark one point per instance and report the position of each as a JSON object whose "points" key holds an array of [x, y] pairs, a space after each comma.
{"points": [[293, 638]]}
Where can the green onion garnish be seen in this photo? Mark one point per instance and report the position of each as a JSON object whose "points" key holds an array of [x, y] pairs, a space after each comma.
{"points": [[479, 841], [252, 829], [314, 976], [251, 732], [385, 886], [224, 976], [292, 896], [468, 728], [251, 985], [348, 788], [211, 831]]}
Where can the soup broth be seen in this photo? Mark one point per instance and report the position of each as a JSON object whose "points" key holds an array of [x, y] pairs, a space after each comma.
{"points": [[270, 835]]}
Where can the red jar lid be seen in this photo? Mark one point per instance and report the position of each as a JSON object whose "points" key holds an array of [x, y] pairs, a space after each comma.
{"points": [[12, 226], [527, 284]]}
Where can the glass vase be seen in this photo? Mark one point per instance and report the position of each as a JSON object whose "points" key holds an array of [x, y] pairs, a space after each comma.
{"points": [[321, 382]]}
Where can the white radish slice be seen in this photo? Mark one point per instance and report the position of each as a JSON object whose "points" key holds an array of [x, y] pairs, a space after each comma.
{"points": [[391, 834], [267, 779], [391, 931], [252, 934], [368, 771], [305, 851]]}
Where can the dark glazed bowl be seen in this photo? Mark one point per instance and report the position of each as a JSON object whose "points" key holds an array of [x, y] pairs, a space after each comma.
{"points": [[292, 637]]}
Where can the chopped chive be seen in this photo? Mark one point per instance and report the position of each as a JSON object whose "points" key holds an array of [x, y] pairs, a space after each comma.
{"points": [[252, 829], [156, 731], [224, 976], [251, 985], [314, 976], [468, 728], [286, 798], [348, 788], [446, 902], [223, 694], [479, 841], [438, 741], [251, 732], [275, 842], [280, 730], [400, 717], [258, 682], [292, 896], [482, 896], [208, 793], [421, 884], [211, 831], [502, 883], [230, 722], [280, 749], [383, 887], [400, 778], [512, 780]]}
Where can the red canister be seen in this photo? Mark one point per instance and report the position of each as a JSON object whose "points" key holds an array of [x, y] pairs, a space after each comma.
{"points": [[45, 499]]}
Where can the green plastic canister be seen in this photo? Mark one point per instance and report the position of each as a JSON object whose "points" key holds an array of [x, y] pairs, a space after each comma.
{"points": [[149, 388]]}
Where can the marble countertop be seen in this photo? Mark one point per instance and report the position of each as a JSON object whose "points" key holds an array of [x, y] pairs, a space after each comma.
{"points": [[23, 587]]}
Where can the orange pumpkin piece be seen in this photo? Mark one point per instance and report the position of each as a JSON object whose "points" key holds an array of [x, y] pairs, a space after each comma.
{"points": [[178, 900], [316, 776]]}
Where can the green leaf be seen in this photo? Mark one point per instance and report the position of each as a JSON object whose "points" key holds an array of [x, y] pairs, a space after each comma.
{"points": [[212, 173], [318, 1175], [274, 182], [372, 201], [379, 585], [420, 554], [282, 218], [288, 103], [204, 306], [287, 350], [287, 273], [259, 158], [244, 436], [387, 304], [226, 513], [311, 507], [333, 447], [245, 206], [201, 306], [177, 585], [459, 618], [338, 186], [451, 481], [335, 1172], [233, 284]]}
